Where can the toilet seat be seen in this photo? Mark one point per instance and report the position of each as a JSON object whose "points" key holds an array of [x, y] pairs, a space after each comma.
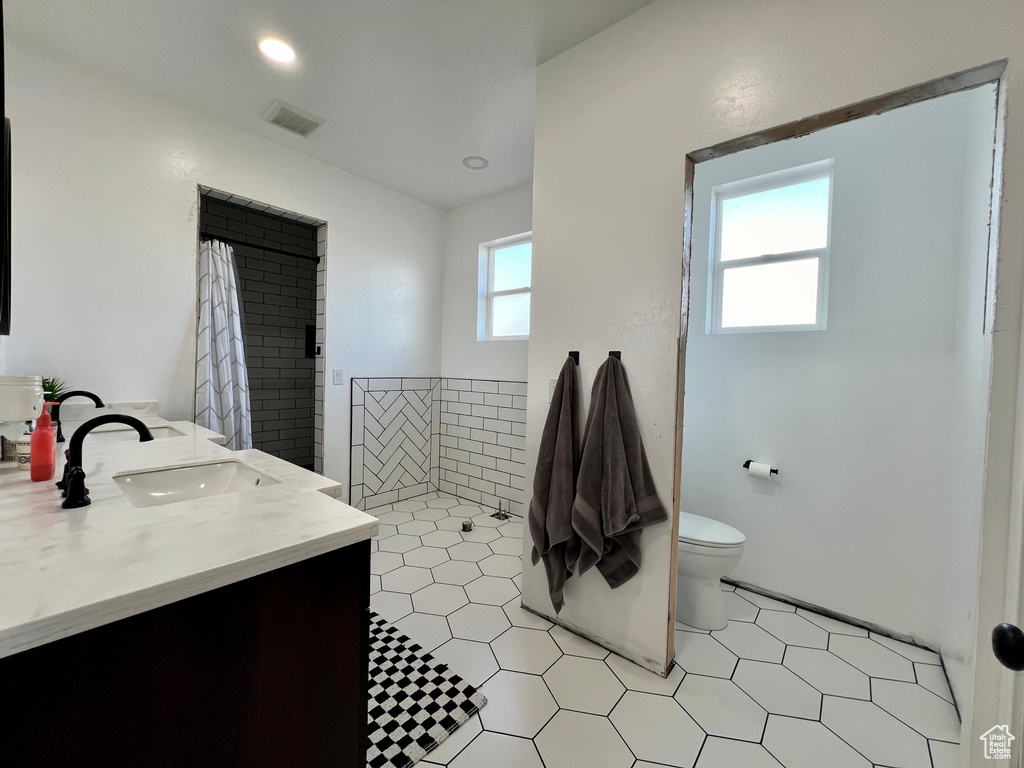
{"points": [[705, 532]]}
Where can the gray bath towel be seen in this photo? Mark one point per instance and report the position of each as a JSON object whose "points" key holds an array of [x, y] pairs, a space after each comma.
{"points": [[615, 494], [554, 485]]}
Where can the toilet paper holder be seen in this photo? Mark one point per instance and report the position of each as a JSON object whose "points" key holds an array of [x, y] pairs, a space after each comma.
{"points": [[746, 465]]}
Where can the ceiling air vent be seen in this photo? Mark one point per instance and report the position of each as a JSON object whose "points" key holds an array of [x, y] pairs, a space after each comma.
{"points": [[291, 118]]}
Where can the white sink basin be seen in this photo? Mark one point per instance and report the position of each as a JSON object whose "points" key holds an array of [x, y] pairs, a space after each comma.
{"points": [[153, 487], [127, 434]]}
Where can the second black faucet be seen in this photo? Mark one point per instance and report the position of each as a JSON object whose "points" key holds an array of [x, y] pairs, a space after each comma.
{"points": [[55, 411]]}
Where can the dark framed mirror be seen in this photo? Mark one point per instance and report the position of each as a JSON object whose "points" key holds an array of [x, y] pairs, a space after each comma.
{"points": [[5, 203], [5, 233]]}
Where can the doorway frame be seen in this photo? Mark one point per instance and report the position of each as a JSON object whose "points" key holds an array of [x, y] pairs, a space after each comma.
{"points": [[319, 375], [1002, 534]]}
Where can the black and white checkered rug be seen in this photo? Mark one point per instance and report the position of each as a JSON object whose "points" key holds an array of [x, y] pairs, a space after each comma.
{"points": [[416, 702]]}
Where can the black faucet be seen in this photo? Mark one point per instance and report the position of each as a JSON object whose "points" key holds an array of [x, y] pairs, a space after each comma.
{"points": [[55, 410], [77, 495]]}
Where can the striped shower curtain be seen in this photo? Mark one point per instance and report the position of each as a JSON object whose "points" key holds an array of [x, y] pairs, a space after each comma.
{"points": [[222, 383]]}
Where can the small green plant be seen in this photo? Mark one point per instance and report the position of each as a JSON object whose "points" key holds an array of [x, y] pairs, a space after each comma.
{"points": [[53, 388]]}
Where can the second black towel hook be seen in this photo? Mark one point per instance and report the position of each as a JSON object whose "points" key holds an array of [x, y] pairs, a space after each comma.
{"points": [[575, 355]]}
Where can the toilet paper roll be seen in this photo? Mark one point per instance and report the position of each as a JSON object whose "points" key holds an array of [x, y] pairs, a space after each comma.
{"points": [[758, 469]]}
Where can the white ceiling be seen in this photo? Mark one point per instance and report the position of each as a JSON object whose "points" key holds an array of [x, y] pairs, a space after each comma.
{"points": [[407, 87]]}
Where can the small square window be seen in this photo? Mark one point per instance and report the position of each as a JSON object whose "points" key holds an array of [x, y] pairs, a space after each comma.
{"points": [[769, 252], [506, 272]]}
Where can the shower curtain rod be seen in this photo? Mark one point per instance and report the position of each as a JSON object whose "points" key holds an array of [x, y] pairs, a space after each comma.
{"points": [[229, 241]]}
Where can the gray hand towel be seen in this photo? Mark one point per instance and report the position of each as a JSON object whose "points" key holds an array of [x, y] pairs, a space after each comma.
{"points": [[615, 494], [554, 484]]}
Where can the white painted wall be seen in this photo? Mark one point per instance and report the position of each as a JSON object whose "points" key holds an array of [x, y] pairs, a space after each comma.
{"points": [[465, 228], [616, 116], [876, 513], [104, 235]]}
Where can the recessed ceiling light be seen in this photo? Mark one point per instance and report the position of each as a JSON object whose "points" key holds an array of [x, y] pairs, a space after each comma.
{"points": [[277, 50], [475, 162]]}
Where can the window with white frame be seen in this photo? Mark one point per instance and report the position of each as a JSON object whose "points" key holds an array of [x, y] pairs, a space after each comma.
{"points": [[770, 252], [505, 277]]}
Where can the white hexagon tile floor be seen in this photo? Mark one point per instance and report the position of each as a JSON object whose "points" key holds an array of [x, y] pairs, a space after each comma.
{"points": [[780, 687]]}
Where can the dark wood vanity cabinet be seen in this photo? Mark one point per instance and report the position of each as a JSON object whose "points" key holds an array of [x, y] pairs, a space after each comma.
{"points": [[270, 671]]}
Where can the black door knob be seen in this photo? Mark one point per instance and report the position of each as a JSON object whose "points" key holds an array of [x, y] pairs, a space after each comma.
{"points": [[1008, 646]]}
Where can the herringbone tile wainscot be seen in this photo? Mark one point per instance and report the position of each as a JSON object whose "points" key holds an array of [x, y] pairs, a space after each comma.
{"points": [[392, 422]]}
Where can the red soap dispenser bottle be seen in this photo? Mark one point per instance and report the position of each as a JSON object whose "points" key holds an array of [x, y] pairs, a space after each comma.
{"points": [[44, 448]]}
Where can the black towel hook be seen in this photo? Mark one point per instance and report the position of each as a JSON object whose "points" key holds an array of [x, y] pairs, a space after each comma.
{"points": [[616, 354], [575, 355]]}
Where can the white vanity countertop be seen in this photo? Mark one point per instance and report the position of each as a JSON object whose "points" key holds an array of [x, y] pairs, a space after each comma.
{"points": [[67, 571]]}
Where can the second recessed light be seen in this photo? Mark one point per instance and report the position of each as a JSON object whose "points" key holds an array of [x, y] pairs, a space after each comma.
{"points": [[277, 50], [475, 162]]}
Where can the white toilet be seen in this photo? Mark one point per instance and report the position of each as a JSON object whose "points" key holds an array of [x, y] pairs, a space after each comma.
{"points": [[708, 550]]}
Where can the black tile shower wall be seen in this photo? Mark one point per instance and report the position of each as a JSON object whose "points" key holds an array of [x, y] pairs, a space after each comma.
{"points": [[279, 296], [235, 222]]}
